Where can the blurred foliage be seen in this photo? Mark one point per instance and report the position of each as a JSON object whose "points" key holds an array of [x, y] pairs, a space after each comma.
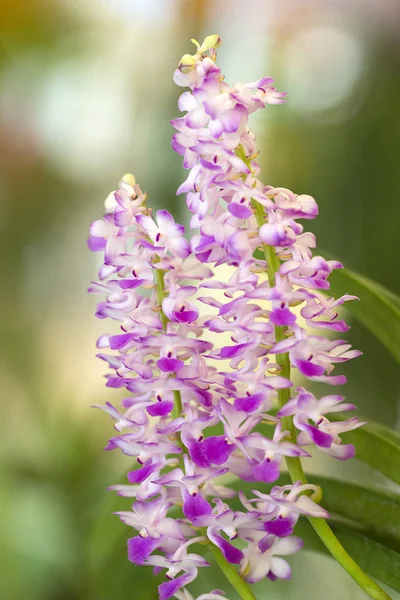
{"points": [[86, 95]]}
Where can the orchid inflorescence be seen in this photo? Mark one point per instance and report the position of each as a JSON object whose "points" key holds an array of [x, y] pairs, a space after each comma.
{"points": [[196, 415]]}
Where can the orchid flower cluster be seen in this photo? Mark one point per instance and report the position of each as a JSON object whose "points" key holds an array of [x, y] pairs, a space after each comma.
{"points": [[195, 416]]}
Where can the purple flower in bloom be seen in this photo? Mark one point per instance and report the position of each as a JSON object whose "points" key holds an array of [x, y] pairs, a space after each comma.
{"points": [[176, 308], [309, 418], [166, 233], [268, 454], [281, 509], [315, 356], [194, 413], [262, 557], [179, 561], [213, 450]]}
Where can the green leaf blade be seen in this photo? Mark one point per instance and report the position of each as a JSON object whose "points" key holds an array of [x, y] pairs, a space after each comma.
{"points": [[376, 445], [376, 559], [378, 308]]}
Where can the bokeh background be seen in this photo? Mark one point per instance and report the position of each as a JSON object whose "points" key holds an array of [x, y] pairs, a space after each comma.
{"points": [[86, 94]]}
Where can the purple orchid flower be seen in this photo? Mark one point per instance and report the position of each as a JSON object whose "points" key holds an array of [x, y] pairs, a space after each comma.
{"points": [[281, 509], [324, 434], [166, 233], [315, 355], [268, 454], [262, 557], [176, 562]]}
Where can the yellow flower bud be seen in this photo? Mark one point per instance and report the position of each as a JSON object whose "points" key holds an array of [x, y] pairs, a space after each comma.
{"points": [[211, 42], [187, 63], [129, 179]]}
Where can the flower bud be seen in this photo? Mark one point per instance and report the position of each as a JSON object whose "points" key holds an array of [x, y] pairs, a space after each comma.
{"points": [[212, 42], [187, 63]]}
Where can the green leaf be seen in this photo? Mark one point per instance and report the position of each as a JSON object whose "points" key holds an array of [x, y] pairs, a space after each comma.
{"points": [[378, 308], [374, 558], [376, 445], [374, 513]]}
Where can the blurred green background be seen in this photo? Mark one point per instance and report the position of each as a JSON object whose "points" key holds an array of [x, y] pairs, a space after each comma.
{"points": [[86, 94]]}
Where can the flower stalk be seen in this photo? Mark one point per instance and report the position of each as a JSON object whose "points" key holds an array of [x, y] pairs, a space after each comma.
{"points": [[161, 295], [191, 408]]}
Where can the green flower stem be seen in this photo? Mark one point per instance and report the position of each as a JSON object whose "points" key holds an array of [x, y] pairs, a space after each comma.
{"points": [[294, 465], [160, 288], [177, 404], [232, 575]]}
